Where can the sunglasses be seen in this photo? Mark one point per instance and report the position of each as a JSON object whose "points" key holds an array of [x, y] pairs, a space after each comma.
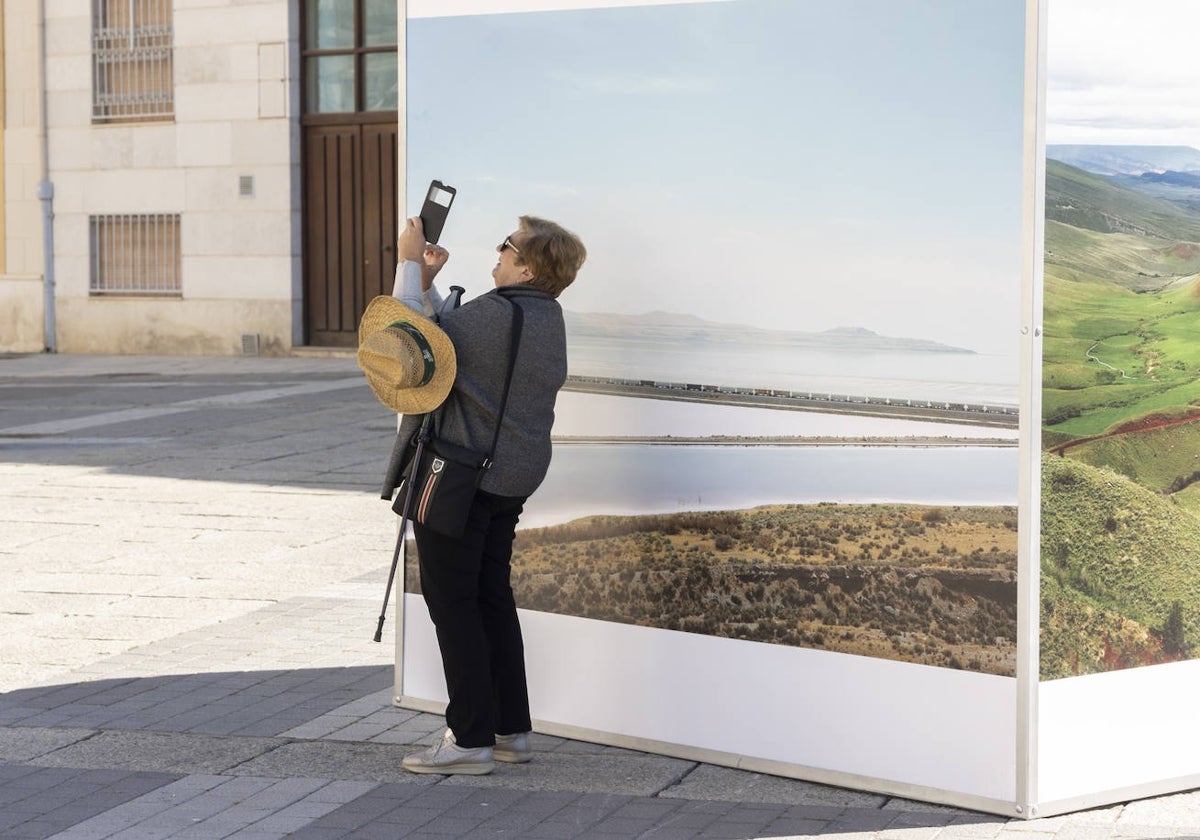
{"points": [[507, 243]]}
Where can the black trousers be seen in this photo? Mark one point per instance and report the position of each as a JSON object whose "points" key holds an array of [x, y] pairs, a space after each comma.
{"points": [[465, 583]]}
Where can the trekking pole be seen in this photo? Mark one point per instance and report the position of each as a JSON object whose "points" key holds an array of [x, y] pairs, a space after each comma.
{"points": [[408, 494]]}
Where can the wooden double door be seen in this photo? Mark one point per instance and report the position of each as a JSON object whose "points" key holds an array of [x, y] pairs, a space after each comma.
{"points": [[350, 225]]}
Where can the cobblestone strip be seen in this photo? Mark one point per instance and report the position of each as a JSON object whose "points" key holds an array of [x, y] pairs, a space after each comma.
{"points": [[214, 807]]}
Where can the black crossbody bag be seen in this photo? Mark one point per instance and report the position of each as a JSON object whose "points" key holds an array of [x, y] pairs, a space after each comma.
{"points": [[438, 485]]}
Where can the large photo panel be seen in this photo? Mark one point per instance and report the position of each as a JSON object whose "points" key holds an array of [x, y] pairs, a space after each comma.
{"points": [[1120, 513], [784, 488]]}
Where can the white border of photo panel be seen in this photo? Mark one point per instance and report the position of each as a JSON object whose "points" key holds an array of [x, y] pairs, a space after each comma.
{"points": [[854, 721], [1116, 736]]}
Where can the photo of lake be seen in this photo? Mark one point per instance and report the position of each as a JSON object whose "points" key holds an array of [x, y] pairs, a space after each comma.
{"points": [[957, 377], [632, 479]]}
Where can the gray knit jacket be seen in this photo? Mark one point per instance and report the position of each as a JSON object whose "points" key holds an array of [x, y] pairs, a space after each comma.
{"points": [[480, 332]]}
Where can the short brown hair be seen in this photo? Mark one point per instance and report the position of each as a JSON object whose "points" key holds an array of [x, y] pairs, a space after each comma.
{"points": [[553, 254]]}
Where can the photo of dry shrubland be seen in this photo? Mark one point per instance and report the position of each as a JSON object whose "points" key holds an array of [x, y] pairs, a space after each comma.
{"points": [[915, 583]]}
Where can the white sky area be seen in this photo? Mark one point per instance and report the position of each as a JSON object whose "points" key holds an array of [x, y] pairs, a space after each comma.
{"points": [[789, 164], [446, 8], [1123, 72]]}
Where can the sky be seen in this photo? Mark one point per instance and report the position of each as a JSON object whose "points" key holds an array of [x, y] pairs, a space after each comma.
{"points": [[1123, 72], [790, 164], [445, 8]]}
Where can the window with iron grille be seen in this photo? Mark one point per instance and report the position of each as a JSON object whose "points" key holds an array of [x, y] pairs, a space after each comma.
{"points": [[135, 254], [132, 77]]}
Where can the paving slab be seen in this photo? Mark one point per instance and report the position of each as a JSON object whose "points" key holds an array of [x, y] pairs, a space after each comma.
{"points": [[1171, 812], [41, 802]]}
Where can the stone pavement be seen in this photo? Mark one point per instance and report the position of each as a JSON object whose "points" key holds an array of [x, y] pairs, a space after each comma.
{"points": [[193, 560]]}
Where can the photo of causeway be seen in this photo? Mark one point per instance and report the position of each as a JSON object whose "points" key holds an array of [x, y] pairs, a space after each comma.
{"points": [[1120, 539]]}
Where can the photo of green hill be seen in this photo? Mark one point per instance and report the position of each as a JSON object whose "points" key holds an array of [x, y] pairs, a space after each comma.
{"points": [[1121, 410], [1120, 564]]}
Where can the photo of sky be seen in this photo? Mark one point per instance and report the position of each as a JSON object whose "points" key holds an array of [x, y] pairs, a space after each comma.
{"points": [[1123, 72], [789, 164]]}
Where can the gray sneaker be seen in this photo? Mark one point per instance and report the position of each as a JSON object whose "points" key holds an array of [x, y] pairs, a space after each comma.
{"points": [[513, 749], [448, 758]]}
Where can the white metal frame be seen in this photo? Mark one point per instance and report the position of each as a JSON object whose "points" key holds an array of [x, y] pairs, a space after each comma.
{"points": [[1029, 500]]}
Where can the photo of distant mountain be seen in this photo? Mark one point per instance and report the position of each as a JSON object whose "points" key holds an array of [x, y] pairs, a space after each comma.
{"points": [[1141, 190], [676, 327], [1121, 408], [1125, 160]]}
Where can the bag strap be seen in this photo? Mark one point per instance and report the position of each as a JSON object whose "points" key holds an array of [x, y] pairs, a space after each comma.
{"points": [[518, 324]]}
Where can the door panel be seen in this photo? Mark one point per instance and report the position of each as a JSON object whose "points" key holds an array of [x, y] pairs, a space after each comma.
{"points": [[379, 203], [350, 226]]}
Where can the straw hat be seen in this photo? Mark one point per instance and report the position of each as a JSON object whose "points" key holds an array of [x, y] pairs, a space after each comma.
{"points": [[409, 362]]}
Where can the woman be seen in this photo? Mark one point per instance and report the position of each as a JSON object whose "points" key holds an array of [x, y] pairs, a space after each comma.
{"points": [[465, 581]]}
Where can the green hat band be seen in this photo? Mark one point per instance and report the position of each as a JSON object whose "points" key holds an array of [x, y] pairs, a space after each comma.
{"points": [[422, 344]]}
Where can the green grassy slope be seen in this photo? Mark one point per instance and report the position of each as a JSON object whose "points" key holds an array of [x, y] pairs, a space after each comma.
{"points": [[1122, 305], [1164, 460], [1115, 558], [1089, 202], [1112, 355], [1127, 261]]}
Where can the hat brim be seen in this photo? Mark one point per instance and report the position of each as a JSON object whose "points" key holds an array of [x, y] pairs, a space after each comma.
{"points": [[382, 312]]}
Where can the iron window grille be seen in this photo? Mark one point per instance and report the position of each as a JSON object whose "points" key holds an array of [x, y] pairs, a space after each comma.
{"points": [[132, 60], [135, 254]]}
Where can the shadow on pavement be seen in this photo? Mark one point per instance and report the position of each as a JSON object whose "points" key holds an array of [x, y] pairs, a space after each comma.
{"points": [[243, 703], [315, 426]]}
